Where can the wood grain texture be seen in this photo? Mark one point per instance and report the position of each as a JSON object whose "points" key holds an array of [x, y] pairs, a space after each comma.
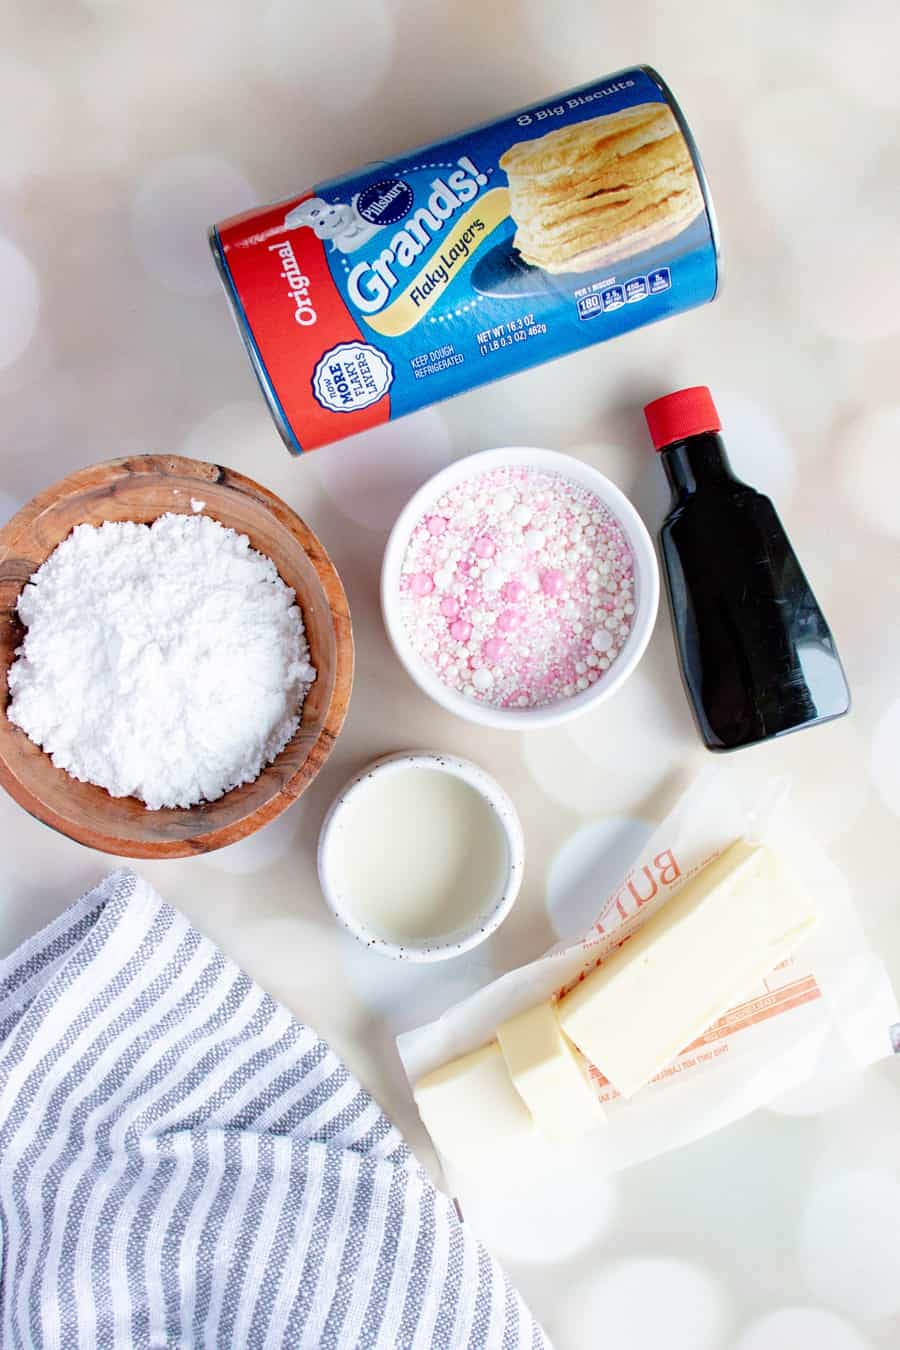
{"points": [[142, 488]]}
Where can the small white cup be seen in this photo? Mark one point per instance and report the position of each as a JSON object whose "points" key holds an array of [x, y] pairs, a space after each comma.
{"points": [[438, 947], [646, 571]]}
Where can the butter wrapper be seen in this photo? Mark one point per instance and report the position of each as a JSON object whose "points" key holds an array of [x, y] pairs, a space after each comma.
{"points": [[831, 1003]]}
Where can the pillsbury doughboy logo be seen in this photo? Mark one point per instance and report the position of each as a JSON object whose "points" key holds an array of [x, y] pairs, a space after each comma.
{"points": [[337, 223], [350, 376]]}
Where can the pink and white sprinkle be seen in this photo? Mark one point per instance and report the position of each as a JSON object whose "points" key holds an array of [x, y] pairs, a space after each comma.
{"points": [[517, 588]]}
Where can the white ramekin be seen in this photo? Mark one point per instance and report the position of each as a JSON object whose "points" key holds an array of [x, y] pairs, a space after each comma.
{"points": [[646, 573], [440, 947]]}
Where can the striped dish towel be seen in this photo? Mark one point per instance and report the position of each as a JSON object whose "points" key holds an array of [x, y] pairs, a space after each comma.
{"points": [[183, 1164]]}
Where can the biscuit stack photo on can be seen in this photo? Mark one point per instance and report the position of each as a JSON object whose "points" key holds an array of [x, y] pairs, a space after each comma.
{"points": [[582, 193]]}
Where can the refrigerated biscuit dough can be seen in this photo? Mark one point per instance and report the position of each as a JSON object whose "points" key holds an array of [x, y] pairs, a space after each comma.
{"points": [[416, 278]]}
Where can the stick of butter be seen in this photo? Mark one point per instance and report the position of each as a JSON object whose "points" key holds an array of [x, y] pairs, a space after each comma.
{"points": [[702, 951], [549, 1074], [470, 1106]]}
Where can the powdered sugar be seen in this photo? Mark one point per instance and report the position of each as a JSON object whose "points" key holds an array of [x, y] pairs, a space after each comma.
{"points": [[166, 662]]}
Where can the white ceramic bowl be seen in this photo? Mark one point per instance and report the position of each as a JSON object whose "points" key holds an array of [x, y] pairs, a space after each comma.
{"points": [[439, 947], [646, 572]]}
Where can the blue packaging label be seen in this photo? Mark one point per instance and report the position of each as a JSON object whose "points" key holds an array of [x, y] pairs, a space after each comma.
{"points": [[559, 226]]}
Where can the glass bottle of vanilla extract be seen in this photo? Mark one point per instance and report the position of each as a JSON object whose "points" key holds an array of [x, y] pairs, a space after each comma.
{"points": [[757, 657]]}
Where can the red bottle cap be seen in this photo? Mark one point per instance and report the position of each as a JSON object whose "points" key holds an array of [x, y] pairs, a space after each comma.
{"points": [[689, 412]]}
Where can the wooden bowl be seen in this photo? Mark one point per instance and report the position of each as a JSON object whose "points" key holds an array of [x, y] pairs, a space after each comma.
{"points": [[142, 488]]}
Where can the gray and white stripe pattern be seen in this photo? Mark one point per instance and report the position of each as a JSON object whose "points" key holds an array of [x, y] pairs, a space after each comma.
{"points": [[183, 1164]]}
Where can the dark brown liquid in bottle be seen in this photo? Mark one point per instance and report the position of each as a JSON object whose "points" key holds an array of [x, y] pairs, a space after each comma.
{"points": [[757, 656]]}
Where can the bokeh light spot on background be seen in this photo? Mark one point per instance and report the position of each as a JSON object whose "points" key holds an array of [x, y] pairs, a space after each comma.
{"points": [[757, 447], [848, 48], [575, 773], [267, 846], [849, 1242], [28, 139], [596, 38], [371, 476], [553, 1218], [21, 292], [646, 1303], [589, 865], [858, 303], [886, 756], [796, 148], [406, 993], [800, 1329], [862, 1131], [618, 463], [241, 435], [335, 54], [827, 808], [831, 1086], [638, 704], [600, 762], [177, 200], [869, 473]]}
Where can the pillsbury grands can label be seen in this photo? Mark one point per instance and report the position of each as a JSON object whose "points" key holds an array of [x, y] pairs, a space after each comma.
{"points": [[564, 224]]}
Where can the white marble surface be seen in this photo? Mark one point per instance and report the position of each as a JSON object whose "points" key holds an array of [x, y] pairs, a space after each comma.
{"points": [[127, 128]]}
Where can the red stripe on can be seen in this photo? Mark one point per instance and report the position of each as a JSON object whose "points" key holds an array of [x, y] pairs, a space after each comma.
{"points": [[295, 313]]}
